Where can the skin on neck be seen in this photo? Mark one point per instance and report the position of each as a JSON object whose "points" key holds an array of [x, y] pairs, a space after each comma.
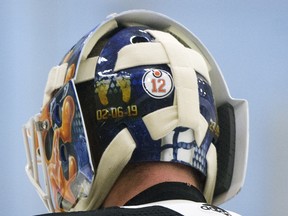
{"points": [[136, 178]]}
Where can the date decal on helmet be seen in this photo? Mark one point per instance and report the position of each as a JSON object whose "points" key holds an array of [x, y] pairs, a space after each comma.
{"points": [[157, 83], [117, 112]]}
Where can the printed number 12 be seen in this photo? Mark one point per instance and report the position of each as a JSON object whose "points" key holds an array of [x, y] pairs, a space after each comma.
{"points": [[158, 85]]}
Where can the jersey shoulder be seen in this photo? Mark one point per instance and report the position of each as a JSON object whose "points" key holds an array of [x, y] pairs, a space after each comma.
{"points": [[163, 208], [122, 211], [186, 207]]}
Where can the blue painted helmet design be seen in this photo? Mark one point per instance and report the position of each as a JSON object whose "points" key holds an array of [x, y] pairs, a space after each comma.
{"points": [[123, 100]]}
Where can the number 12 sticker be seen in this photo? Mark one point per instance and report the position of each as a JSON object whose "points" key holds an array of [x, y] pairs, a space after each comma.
{"points": [[157, 83]]}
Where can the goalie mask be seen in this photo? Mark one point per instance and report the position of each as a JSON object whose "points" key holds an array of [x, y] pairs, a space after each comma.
{"points": [[137, 88]]}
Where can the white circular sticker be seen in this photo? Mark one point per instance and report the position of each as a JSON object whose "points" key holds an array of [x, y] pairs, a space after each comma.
{"points": [[157, 83]]}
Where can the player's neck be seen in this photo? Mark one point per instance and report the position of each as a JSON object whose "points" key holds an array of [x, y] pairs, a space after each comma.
{"points": [[137, 178]]}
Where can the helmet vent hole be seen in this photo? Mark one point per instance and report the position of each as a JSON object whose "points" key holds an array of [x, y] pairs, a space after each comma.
{"points": [[138, 39]]}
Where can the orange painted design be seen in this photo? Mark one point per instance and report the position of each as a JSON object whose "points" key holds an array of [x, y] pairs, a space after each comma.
{"points": [[157, 73], [70, 73], [68, 111], [59, 184]]}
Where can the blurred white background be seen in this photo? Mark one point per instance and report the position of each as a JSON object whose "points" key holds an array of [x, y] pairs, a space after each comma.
{"points": [[248, 39]]}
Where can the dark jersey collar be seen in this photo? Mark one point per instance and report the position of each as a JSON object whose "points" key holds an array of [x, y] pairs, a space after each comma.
{"points": [[167, 191]]}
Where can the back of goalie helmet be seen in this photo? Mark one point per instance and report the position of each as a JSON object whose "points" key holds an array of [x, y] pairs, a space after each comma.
{"points": [[139, 87]]}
